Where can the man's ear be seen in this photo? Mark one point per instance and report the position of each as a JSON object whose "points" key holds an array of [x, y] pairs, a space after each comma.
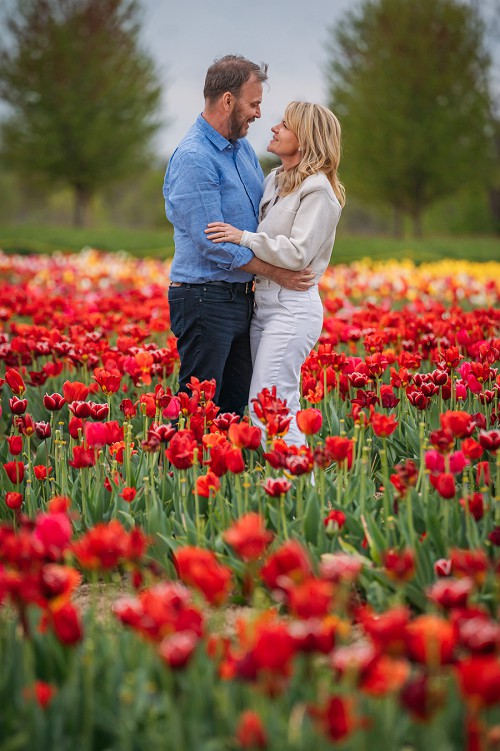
{"points": [[227, 100]]}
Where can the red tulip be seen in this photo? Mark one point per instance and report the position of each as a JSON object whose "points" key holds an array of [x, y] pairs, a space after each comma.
{"points": [[128, 494], [341, 450], [472, 449], [451, 593], [234, 460], [42, 472], [53, 402], [74, 391], [470, 563], [41, 691], [250, 732], [172, 409], [431, 640], [176, 650], [422, 697], [494, 536], [108, 380], [44, 693], [82, 457], [43, 430], [475, 504], [311, 598], [67, 625], [98, 411], [276, 486], [244, 435], [15, 444], [181, 450], [479, 679], [442, 567], [444, 484], [128, 408], [337, 567], [75, 427], [336, 718], [13, 500], [15, 382], [103, 547], [96, 434], [399, 565], [15, 471], [335, 519], [25, 424], [80, 409], [309, 420], [248, 536], [383, 425], [288, 565], [18, 406], [201, 569], [207, 485], [459, 423], [490, 440]]}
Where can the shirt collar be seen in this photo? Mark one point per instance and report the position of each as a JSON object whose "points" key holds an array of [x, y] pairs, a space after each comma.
{"points": [[214, 136]]}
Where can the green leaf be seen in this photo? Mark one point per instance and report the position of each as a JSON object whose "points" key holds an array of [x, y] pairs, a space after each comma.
{"points": [[312, 518]]}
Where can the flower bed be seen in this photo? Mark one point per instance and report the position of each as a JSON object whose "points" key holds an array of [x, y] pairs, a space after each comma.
{"points": [[369, 556]]}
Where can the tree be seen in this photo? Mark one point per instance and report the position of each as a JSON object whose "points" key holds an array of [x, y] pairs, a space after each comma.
{"points": [[490, 12], [82, 94], [408, 81]]}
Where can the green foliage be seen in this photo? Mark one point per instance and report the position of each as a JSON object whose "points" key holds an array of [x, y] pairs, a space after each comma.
{"points": [[82, 94], [408, 81], [159, 243]]}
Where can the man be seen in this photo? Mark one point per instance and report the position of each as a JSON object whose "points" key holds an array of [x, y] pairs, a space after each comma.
{"points": [[214, 175]]}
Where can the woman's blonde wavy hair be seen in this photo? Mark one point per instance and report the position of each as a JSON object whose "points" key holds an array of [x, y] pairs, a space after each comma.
{"points": [[318, 133]]}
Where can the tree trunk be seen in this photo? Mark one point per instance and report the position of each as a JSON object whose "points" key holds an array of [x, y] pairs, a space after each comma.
{"points": [[81, 206], [494, 200], [417, 223], [397, 222]]}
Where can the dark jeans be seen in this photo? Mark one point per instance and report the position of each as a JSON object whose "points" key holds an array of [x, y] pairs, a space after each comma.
{"points": [[212, 325]]}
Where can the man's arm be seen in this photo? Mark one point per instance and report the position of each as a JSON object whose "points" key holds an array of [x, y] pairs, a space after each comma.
{"points": [[300, 281], [193, 198]]}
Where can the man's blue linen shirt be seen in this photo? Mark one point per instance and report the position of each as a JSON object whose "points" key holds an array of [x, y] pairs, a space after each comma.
{"points": [[211, 179]]}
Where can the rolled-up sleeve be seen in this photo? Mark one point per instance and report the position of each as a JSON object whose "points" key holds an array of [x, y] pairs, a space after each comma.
{"points": [[193, 200]]}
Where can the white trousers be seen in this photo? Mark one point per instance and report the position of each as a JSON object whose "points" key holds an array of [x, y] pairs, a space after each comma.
{"points": [[285, 327]]}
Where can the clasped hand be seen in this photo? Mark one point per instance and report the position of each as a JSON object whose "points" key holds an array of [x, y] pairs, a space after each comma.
{"points": [[220, 232]]}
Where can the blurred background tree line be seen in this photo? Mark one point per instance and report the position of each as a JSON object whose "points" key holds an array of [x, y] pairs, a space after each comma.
{"points": [[413, 83]]}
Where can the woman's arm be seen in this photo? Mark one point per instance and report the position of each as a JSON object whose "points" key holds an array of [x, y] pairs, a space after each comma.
{"points": [[313, 224]]}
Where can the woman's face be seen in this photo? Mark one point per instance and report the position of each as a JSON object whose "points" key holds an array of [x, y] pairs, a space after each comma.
{"points": [[284, 142]]}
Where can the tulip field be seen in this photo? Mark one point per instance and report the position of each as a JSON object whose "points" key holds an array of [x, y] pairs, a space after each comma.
{"points": [[344, 593]]}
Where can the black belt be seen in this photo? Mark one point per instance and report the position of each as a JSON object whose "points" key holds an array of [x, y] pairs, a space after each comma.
{"points": [[245, 287]]}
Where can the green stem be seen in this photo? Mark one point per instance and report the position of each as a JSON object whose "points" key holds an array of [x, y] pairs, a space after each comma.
{"points": [[385, 479], [283, 516]]}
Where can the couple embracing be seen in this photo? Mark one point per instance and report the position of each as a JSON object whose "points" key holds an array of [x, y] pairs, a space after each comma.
{"points": [[244, 301]]}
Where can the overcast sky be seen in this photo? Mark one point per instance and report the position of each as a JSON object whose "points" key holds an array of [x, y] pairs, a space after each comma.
{"points": [[185, 36]]}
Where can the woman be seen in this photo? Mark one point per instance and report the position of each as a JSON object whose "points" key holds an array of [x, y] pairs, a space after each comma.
{"points": [[299, 212]]}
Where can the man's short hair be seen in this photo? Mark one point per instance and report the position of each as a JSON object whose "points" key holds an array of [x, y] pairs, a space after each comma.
{"points": [[229, 74]]}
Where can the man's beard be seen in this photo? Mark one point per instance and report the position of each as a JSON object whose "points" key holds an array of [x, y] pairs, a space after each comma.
{"points": [[237, 127]]}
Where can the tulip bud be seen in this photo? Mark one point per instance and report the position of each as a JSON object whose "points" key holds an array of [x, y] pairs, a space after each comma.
{"points": [[53, 402], [80, 409], [13, 500], [43, 430], [15, 444], [18, 406]]}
